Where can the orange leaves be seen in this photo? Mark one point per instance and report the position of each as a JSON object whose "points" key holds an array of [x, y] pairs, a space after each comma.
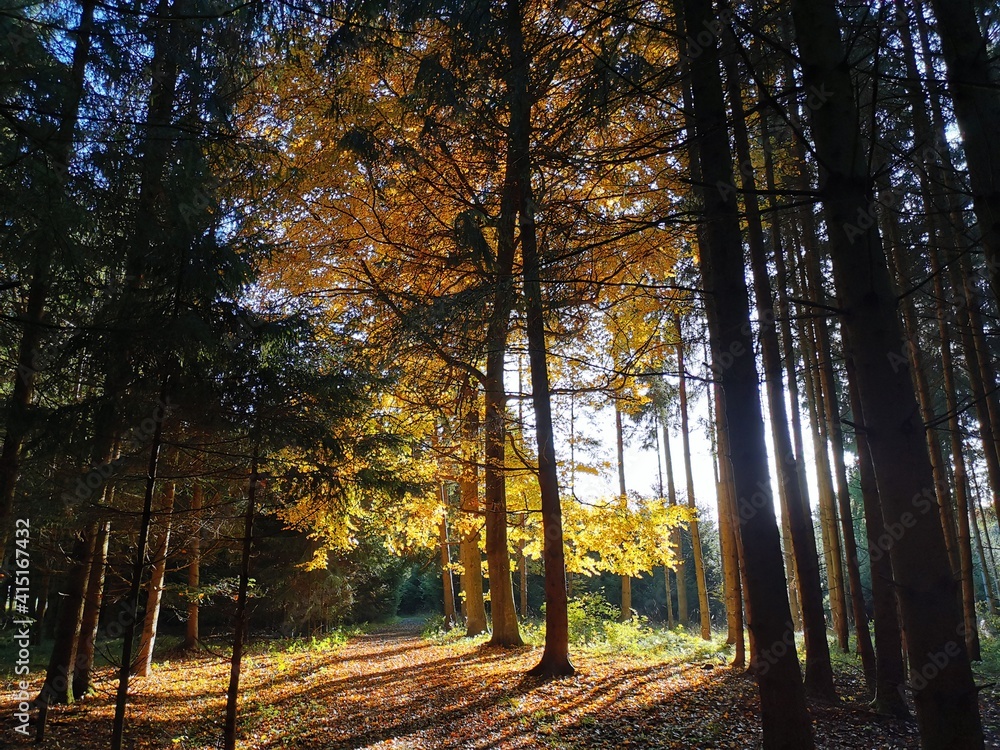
{"points": [[395, 690]]}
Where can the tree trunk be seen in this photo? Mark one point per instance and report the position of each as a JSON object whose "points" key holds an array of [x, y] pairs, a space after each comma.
{"points": [[154, 588], [784, 716], [944, 693], [973, 86], [864, 639], [988, 584], [90, 621], [626, 610], [555, 657], [818, 671], [728, 538], [131, 612], [817, 415], [59, 677], [191, 634], [890, 669], [59, 149], [240, 620], [964, 540], [699, 560], [447, 582], [503, 615], [472, 562], [674, 535]]}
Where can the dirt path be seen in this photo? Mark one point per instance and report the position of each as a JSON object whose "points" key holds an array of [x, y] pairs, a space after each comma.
{"points": [[392, 689]]}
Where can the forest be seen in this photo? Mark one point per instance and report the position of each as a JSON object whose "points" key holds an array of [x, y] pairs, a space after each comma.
{"points": [[513, 374]]}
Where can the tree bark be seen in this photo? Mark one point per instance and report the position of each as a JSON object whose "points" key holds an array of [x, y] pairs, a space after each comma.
{"points": [[973, 86], [22, 390], [784, 716], [696, 550], [131, 612], [240, 620], [58, 684], [191, 630], [890, 669], [626, 609], [154, 588], [447, 582], [946, 698], [818, 670], [555, 657], [728, 538], [472, 563], [675, 534], [90, 620]]}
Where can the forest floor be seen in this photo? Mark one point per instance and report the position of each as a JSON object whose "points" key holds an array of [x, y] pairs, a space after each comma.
{"points": [[396, 689]]}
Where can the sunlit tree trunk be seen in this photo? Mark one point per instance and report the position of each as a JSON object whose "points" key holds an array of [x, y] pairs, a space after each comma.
{"points": [[191, 630], [154, 589], [472, 564], [696, 550], [447, 581], [728, 540], [626, 609], [675, 537], [90, 619], [816, 347], [502, 612], [555, 657]]}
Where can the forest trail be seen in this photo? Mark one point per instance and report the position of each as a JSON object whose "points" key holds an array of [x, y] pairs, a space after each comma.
{"points": [[391, 688]]}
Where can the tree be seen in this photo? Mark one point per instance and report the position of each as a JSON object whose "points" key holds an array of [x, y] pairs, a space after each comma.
{"points": [[947, 707], [783, 710]]}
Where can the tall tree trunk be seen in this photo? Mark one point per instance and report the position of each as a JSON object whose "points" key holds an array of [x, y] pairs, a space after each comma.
{"points": [[945, 696], [699, 560], [472, 563], [818, 671], [59, 150], [972, 83], [59, 677], [815, 389], [784, 715], [503, 615], [728, 539], [864, 638], [131, 612], [626, 610], [447, 582], [988, 584], [675, 538], [555, 657], [191, 634], [963, 540], [90, 620], [890, 669], [240, 620], [154, 588]]}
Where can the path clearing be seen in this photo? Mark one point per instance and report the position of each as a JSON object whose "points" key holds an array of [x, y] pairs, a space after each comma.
{"points": [[393, 689]]}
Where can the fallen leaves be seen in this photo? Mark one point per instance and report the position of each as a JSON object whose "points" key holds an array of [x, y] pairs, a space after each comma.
{"points": [[394, 690]]}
